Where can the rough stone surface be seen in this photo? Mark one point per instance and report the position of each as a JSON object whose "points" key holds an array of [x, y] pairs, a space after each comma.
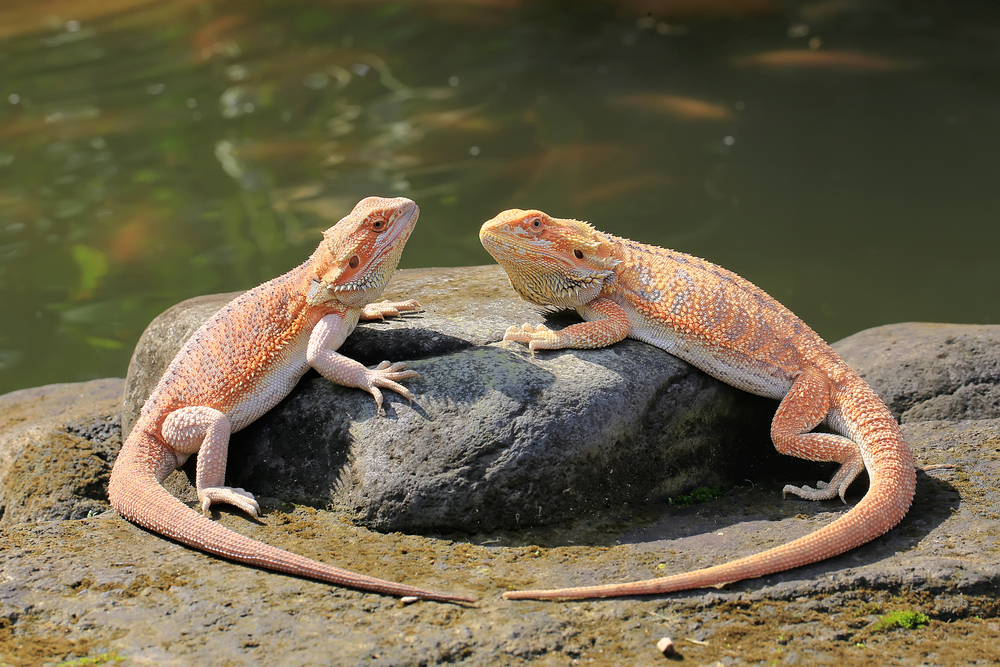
{"points": [[57, 444], [927, 371], [101, 589], [499, 440], [496, 438]]}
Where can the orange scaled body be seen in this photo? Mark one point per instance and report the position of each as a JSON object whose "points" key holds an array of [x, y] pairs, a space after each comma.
{"points": [[734, 331], [241, 363]]}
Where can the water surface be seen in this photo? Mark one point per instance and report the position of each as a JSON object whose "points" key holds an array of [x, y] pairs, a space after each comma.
{"points": [[843, 154]]}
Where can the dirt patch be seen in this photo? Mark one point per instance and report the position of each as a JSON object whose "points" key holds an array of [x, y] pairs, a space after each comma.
{"points": [[102, 587]]}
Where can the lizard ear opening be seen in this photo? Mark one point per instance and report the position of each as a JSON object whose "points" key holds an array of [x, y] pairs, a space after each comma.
{"points": [[353, 262], [578, 253]]}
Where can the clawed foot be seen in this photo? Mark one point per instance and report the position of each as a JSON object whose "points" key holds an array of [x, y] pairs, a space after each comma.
{"points": [[231, 496], [384, 309], [836, 487], [823, 491], [537, 337], [385, 375]]}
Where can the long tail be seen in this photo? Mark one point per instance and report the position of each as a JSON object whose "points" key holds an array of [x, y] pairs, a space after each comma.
{"points": [[892, 485], [136, 493]]}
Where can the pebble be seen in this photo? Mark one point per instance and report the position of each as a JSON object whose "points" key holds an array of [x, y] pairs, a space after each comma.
{"points": [[665, 646]]}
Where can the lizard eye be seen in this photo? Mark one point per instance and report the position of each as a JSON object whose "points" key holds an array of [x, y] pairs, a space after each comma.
{"points": [[578, 253], [536, 223], [378, 225]]}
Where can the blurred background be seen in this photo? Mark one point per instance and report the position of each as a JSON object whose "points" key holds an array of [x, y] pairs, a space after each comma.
{"points": [[842, 154]]}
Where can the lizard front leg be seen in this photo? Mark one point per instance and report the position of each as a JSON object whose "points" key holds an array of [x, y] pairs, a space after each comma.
{"points": [[607, 323], [802, 409], [384, 309], [206, 431], [327, 335]]}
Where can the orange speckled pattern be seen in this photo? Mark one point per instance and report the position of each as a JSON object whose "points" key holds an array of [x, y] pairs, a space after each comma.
{"points": [[241, 363], [732, 330]]}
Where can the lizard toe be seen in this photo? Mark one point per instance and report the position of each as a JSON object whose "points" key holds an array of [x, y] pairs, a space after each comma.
{"points": [[236, 497], [386, 383], [824, 492]]}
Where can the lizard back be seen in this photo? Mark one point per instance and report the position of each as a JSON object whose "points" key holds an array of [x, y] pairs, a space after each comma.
{"points": [[714, 319], [248, 355]]}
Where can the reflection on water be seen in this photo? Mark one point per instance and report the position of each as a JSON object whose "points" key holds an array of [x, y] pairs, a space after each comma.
{"points": [[840, 153]]}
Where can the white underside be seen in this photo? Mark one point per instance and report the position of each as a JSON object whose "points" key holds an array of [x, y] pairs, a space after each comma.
{"points": [[741, 372], [278, 384]]}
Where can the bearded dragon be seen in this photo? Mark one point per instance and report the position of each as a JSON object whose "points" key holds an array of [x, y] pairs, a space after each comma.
{"points": [[241, 363], [734, 331]]}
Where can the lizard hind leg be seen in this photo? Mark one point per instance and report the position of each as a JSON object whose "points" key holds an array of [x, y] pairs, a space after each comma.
{"points": [[804, 407], [206, 431]]}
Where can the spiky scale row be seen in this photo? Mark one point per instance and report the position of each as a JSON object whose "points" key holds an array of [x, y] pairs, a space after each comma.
{"points": [[734, 331], [241, 363]]}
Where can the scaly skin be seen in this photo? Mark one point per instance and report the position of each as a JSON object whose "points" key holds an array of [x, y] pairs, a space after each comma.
{"points": [[241, 363], [734, 331]]}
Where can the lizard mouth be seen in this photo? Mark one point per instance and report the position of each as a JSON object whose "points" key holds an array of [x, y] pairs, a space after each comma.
{"points": [[571, 263], [561, 279], [381, 259], [362, 274], [508, 247], [368, 268]]}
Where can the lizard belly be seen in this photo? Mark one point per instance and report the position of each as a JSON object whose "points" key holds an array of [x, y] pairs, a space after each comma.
{"points": [[730, 366], [272, 387]]}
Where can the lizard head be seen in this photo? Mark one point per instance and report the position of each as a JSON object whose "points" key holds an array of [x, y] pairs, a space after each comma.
{"points": [[550, 261], [359, 254]]}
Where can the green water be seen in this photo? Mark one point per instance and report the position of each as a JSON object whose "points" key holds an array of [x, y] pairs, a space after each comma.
{"points": [[844, 154]]}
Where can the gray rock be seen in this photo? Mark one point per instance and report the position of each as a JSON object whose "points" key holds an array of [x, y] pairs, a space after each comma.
{"points": [[103, 588], [497, 438], [928, 372], [57, 444]]}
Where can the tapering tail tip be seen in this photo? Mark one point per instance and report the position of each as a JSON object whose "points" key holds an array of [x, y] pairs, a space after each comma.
{"points": [[527, 595], [433, 596], [596, 592], [882, 508], [136, 493]]}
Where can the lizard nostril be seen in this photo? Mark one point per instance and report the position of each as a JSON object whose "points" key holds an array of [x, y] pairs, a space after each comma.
{"points": [[353, 262]]}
